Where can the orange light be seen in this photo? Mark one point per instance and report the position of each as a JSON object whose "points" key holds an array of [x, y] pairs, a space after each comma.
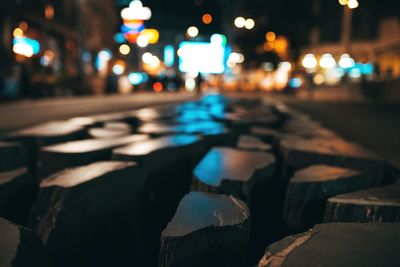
{"points": [[49, 12], [207, 18], [18, 32], [157, 87], [152, 35], [270, 36], [23, 25]]}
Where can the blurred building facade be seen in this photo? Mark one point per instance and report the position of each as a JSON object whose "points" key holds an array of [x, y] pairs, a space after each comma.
{"points": [[62, 30]]}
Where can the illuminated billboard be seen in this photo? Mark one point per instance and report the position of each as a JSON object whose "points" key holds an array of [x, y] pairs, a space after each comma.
{"points": [[202, 57]]}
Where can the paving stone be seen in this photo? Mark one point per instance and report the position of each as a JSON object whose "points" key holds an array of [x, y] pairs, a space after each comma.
{"points": [[167, 163], [12, 156], [376, 205], [232, 171], [251, 177], [17, 194], [337, 244], [20, 247], [106, 133], [92, 215], [206, 230], [252, 143], [115, 125], [299, 153], [309, 189], [33, 138], [76, 153]]}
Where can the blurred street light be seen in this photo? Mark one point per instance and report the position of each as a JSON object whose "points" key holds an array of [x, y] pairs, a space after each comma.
{"points": [[207, 18], [142, 41], [124, 49], [192, 31], [18, 32], [352, 4], [249, 24], [343, 2], [270, 36], [49, 12], [327, 61], [346, 61], [240, 22], [309, 61]]}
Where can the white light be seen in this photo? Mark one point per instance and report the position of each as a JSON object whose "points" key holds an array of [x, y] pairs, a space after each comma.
{"points": [[352, 4], [118, 69], [193, 74], [355, 73], [190, 84], [201, 57], [249, 24], [240, 22], [23, 49], [346, 61], [241, 58], [234, 57], [285, 66], [124, 49], [155, 61], [105, 55], [147, 58], [309, 61], [136, 11], [327, 61], [192, 31], [217, 39], [142, 41], [343, 2]]}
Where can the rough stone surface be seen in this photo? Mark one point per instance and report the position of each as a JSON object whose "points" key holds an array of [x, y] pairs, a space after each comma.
{"points": [[309, 189], [20, 247], [17, 194], [92, 215], [12, 156], [76, 153], [206, 230], [337, 244], [376, 205], [299, 153]]}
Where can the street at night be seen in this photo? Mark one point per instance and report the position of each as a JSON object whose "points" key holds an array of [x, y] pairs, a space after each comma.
{"points": [[199, 133]]}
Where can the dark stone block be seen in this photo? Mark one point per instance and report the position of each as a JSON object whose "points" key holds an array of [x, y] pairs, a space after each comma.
{"points": [[207, 230], [253, 143], [20, 247], [44, 134], [12, 156], [376, 205], [17, 194], [299, 153], [338, 244], [77, 153], [106, 133], [233, 171], [251, 177], [167, 163], [309, 189], [117, 125], [92, 215]]}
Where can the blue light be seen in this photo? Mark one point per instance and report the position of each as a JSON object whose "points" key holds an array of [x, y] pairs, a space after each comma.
{"points": [[367, 69], [126, 29], [31, 42], [135, 78], [119, 38], [295, 82], [169, 55]]}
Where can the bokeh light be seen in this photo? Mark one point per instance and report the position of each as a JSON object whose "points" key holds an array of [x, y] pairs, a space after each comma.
{"points": [[124, 49], [207, 18], [240, 22], [192, 31]]}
